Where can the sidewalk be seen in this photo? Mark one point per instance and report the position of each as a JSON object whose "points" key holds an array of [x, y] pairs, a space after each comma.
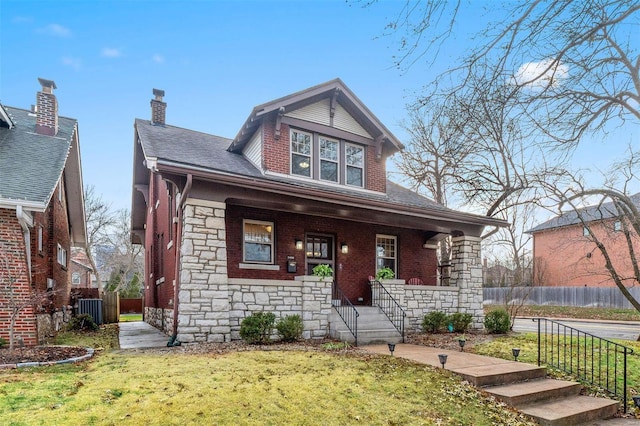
{"points": [[139, 334]]}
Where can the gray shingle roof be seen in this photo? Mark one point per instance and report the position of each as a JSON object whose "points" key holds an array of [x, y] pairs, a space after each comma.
{"points": [[589, 214], [31, 164], [191, 148]]}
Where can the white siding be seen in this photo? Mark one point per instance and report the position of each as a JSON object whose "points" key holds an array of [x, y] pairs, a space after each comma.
{"points": [[344, 121], [253, 150], [316, 113]]}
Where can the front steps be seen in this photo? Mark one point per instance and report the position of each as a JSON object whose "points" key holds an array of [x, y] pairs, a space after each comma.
{"points": [[373, 327], [552, 402]]}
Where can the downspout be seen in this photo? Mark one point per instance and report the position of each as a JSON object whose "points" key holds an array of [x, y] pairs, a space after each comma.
{"points": [[24, 220], [178, 246]]}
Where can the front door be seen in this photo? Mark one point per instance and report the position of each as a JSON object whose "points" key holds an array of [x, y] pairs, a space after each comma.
{"points": [[319, 250]]}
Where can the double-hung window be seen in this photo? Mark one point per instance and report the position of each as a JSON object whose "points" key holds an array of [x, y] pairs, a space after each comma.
{"points": [[258, 242], [386, 252], [354, 156], [75, 278], [62, 256], [301, 148], [329, 159]]}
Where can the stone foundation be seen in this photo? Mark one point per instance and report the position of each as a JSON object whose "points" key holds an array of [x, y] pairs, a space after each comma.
{"points": [[162, 319]]}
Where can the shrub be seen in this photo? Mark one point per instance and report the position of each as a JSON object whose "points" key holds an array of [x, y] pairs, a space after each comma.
{"points": [[385, 274], [82, 322], [257, 327], [434, 321], [290, 328], [497, 321], [3, 342], [323, 271], [460, 321]]}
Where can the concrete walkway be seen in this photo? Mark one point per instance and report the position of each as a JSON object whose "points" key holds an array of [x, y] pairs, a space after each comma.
{"points": [[139, 335], [479, 370]]}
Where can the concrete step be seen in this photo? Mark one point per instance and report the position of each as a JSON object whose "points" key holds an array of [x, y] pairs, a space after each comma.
{"points": [[574, 410], [373, 327], [504, 373], [519, 394], [366, 337]]}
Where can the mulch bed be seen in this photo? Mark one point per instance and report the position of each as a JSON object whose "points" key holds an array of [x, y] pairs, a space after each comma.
{"points": [[40, 354]]}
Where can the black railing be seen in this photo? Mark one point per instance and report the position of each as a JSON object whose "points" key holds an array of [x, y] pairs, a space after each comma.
{"points": [[346, 310], [382, 298], [585, 356]]}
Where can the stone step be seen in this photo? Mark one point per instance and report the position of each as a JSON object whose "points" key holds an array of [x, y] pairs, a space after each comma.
{"points": [[519, 394], [574, 410], [366, 337]]}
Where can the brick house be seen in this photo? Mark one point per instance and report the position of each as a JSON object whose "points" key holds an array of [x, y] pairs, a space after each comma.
{"points": [[565, 254], [82, 282], [41, 209], [234, 226]]}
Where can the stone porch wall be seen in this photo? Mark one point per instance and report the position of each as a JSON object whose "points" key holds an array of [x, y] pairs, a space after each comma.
{"points": [[160, 318], [422, 299], [307, 296]]}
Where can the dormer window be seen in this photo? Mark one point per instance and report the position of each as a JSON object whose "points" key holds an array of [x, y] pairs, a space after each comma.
{"points": [[301, 153], [326, 159]]}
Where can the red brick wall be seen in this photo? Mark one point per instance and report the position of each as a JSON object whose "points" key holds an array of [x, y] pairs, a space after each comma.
{"points": [[276, 157], [13, 267], [55, 230], [352, 270], [567, 258], [159, 294]]}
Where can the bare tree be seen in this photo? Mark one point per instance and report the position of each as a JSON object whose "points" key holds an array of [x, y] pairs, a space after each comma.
{"points": [[100, 218], [125, 260]]}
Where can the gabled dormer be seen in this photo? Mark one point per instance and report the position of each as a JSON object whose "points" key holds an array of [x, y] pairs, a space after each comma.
{"points": [[324, 133]]}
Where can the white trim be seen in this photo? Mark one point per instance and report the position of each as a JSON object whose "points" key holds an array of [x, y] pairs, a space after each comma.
{"points": [[272, 243], [330, 184], [291, 153], [320, 159], [261, 266], [8, 203], [170, 244], [160, 280], [362, 168], [395, 249]]}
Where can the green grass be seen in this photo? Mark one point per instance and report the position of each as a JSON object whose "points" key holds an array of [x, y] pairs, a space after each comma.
{"points": [[501, 346], [130, 317], [612, 314], [105, 338], [245, 388]]}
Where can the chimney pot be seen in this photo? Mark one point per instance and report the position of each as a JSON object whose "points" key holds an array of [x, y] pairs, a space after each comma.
{"points": [[158, 107]]}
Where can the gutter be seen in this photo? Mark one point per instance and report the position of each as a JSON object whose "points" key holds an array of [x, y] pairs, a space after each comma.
{"points": [[26, 222], [178, 246]]}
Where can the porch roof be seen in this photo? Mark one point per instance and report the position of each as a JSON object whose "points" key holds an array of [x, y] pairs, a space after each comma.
{"points": [[178, 152]]}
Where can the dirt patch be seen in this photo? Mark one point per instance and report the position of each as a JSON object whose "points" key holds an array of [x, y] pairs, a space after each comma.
{"points": [[40, 354], [449, 340]]}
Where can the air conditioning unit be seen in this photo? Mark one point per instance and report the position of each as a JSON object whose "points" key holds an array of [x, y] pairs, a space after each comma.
{"points": [[50, 283]]}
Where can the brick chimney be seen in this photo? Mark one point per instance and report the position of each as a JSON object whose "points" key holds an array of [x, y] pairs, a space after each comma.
{"points": [[158, 107], [47, 109]]}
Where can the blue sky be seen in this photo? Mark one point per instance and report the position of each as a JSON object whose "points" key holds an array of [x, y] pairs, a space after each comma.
{"points": [[214, 59]]}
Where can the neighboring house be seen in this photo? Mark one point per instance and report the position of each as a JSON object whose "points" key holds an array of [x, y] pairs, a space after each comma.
{"points": [[83, 285], [41, 210], [566, 255], [498, 275], [235, 226]]}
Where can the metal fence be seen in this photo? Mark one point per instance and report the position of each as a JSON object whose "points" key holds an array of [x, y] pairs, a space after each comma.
{"points": [[604, 297]]}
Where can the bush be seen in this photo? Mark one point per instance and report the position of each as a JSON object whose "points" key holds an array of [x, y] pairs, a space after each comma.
{"points": [[3, 342], [82, 322], [434, 321], [385, 274], [322, 270], [257, 327], [460, 321], [497, 321], [290, 328]]}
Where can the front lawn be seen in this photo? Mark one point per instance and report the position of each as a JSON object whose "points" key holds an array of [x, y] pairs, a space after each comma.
{"points": [[245, 387]]}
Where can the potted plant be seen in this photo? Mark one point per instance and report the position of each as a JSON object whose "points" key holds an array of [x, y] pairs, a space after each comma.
{"points": [[385, 274], [323, 271]]}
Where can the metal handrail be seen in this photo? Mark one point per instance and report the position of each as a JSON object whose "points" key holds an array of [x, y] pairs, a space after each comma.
{"points": [[346, 310], [590, 358], [381, 297]]}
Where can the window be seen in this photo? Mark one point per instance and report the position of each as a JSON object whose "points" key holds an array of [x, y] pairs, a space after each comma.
{"points": [[258, 241], [617, 226], [328, 159], [386, 253], [301, 153], [75, 278], [62, 255], [60, 191], [355, 165], [39, 239]]}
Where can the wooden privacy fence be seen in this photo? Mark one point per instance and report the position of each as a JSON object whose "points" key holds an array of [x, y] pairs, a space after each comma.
{"points": [[111, 307], [604, 297]]}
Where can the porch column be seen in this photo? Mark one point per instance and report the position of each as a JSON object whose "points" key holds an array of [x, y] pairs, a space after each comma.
{"points": [[466, 274], [203, 309], [316, 306]]}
